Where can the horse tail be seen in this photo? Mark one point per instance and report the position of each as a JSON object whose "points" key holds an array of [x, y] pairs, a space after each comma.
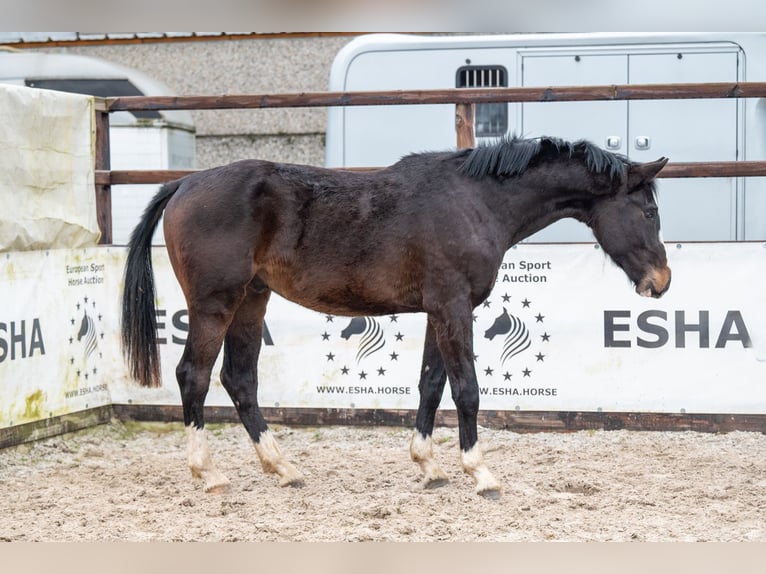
{"points": [[139, 317]]}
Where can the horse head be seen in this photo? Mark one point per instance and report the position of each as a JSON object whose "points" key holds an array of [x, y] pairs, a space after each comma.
{"points": [[612, 195], [627, 225], [355, 327]]}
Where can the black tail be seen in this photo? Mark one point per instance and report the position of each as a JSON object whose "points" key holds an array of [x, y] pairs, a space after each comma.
{"points": [[139, 321]]}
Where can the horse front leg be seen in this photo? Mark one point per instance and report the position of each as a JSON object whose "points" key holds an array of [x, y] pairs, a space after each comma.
{"points": [[433, 376], [239, 376], [453, 326]]}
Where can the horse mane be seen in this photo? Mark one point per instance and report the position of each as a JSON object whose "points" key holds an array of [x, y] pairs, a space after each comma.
{"points": [[512, 156]]}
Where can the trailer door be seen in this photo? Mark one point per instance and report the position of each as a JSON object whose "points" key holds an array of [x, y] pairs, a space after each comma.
{"points": [[682, 130], [695, 209], [604, 123]]}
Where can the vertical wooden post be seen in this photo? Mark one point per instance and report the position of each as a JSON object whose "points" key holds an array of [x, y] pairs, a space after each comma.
{"points": [[464, 120], [103, 162]]}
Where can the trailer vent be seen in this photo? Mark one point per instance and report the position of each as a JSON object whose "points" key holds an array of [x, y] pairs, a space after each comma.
{"points": [[491, 119]]}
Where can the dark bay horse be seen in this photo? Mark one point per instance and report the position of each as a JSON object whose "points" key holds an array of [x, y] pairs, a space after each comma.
{"points": [[426, 234]]}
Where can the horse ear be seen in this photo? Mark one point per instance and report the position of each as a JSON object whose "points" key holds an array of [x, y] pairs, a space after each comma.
{"points": [[641, 173]]}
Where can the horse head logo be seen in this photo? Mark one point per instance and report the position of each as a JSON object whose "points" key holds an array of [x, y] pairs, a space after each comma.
{"points": [[372, 336], [87, 331], [501, 326], [517, 339]]}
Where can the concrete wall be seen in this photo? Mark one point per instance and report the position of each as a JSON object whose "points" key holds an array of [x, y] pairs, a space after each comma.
{"points": [[248, 66]]}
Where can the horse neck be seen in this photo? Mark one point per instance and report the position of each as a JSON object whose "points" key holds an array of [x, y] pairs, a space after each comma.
{"points": [[529, 204]]}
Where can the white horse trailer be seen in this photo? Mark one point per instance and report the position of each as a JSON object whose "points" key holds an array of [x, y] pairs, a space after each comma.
{"points": [[707, 209], [138, 140]]}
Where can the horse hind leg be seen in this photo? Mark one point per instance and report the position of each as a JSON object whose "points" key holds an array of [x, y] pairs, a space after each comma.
{"points": [[193, 373], [239, 376], [432, 379]]}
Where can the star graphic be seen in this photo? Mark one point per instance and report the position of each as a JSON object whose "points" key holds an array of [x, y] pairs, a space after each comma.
{"points": [[488, 371], [545, 337], [78, 306], [85, 299], [486, 304], [526, 302], [527, 372], [381, 372], [506, 298], [540, 356], [330, 357], [72, 321], [325, 336], [507, 376], [539, 317], [362, 375], [344, 370], [394, 356], [399, 336], [329, 318], [394, 318], [71, 340]]}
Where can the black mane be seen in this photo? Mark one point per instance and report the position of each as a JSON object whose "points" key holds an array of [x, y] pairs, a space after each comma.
{"points": [[512, 155]]}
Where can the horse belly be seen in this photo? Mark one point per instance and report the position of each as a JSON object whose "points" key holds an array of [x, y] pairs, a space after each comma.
{"points": [[344, 293]]}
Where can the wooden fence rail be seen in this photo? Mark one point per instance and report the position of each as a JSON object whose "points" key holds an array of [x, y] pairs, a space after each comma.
{"points": [[464, 99], [670, 171], [447, 96]]}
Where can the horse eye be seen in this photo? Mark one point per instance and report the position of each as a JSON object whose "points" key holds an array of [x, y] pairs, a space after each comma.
{"points": [[651, 213]]}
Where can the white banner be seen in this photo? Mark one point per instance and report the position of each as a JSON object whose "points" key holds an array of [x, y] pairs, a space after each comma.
{"points": [[58, 323], [563, 330], [47, 150]]}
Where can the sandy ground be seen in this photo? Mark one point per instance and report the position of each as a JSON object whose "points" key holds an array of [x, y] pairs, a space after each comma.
{"points": [[129, 481]]}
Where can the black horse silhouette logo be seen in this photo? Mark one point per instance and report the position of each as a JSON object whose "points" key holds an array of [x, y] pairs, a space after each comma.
{"points": [[371, 332], [88, 332], [517, 339]]}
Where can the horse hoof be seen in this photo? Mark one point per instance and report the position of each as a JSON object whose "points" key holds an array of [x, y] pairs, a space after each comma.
{"points": [[490, 493], [217, 488], [294, 482], [435, 483], [214, 481]]}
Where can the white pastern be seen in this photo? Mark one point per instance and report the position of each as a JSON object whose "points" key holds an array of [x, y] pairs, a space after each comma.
{"points": [[421, 452], [473, 464], [200, 462], [273, 461]]}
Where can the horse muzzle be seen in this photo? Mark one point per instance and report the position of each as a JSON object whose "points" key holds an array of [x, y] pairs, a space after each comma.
{"points": [[655, 283]]}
